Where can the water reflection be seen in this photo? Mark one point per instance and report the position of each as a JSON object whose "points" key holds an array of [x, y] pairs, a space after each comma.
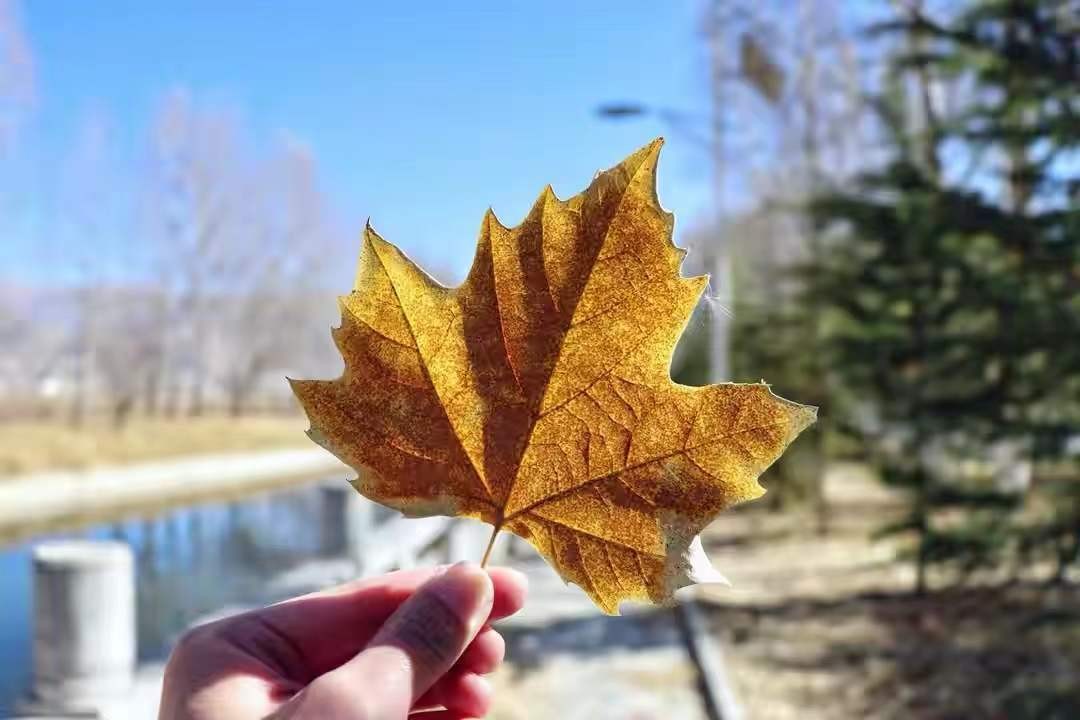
{"points": [[189, 562]]}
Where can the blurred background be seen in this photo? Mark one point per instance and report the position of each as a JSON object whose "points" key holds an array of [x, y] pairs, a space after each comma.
{"points": [[886, 194]]}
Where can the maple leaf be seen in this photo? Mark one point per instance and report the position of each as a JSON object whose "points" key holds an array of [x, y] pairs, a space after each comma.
{"points": [[537, 395]]}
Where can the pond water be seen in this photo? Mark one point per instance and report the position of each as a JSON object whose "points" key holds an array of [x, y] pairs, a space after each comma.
{"points": [[189, 562]]}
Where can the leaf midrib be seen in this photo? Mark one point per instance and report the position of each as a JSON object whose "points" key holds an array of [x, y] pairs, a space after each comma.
{"points": [[536, 414], [424, 367]]}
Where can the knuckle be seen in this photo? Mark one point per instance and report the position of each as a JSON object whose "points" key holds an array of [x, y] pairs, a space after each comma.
{"points": [[192, 644]]}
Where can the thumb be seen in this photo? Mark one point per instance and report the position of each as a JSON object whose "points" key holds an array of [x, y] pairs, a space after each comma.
{"points": [[416, 646]]}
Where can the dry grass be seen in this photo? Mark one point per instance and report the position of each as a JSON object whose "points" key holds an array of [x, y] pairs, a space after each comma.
{"points": [[35, 446]]}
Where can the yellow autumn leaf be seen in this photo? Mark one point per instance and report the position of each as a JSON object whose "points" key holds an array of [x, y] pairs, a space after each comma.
{"points": [[537, 395]]}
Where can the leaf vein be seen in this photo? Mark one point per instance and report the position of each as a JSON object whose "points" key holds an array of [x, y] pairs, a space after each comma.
{"points": [[659, 458], [573, 529], [423, 364]]}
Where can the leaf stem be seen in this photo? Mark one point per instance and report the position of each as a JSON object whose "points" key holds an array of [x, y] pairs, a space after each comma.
{"points": [[491, 544]]}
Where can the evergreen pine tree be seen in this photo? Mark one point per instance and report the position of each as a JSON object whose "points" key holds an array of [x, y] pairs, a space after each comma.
{"points": [[950, 299]]}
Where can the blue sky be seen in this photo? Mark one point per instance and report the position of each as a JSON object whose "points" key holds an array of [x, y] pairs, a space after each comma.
{"points": [[420, 115]]}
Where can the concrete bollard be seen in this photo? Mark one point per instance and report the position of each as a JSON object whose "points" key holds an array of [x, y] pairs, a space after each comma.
{"points": [[346, 517], [84, 625]]}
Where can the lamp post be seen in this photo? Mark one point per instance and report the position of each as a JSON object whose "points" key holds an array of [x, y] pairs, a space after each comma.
{"points": [[716, 257]]}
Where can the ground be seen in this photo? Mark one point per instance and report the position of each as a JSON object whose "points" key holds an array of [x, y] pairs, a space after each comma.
{"points": [[598, 667], [827, 627], [814, 627], [567, 661], [34, 446]]}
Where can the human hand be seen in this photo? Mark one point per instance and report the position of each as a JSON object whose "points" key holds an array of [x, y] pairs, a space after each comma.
{"points": [[375, 649]]}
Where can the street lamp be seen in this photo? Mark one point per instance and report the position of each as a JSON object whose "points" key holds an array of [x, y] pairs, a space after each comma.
{"points": [[620, 110], [715, 257], [682, 124]]}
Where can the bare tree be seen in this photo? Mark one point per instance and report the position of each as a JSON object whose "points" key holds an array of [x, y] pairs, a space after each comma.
{"points": [[794, 120], [240, 245], [17, 81], [194, 195], [125, 356], [84, 252], [32, 350], [276, 265]]}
